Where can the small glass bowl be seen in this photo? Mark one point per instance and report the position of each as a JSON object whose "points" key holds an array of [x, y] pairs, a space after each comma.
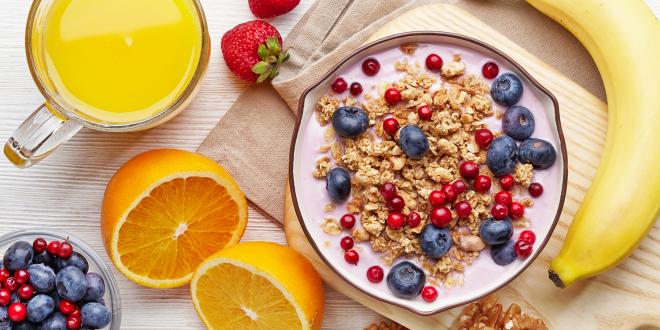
{"points": [[96, 264]]}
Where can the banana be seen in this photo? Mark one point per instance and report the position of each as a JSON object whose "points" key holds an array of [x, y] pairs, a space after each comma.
{"points": [[623, 202]]}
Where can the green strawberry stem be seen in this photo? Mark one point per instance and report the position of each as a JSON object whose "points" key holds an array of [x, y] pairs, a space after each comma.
{"points": [[272, 56]]}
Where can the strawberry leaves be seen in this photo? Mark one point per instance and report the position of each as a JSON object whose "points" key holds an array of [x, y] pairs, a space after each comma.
{"points": [[271, 56]]}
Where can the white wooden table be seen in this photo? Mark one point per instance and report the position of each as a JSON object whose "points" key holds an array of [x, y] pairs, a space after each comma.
{"points": [[65, 191]]}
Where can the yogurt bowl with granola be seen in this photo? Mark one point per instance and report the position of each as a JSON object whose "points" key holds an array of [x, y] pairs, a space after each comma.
{"points": [[428, 169]]}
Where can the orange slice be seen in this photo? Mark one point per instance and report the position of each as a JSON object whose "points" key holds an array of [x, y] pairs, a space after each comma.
{"points": [[258, 285], [165, 211]]}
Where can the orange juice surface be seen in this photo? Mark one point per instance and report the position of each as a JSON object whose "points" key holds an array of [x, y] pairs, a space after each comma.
{"points": [[118, 61]]}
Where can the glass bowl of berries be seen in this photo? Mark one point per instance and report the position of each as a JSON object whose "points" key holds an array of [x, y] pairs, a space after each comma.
{"points": [[52, 280]]}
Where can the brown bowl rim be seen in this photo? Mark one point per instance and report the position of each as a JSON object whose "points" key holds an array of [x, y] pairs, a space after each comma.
{"points": [[480, 43]]}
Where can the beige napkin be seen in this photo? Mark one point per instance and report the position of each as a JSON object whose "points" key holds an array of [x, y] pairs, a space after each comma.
{"points": [[252, 140]]}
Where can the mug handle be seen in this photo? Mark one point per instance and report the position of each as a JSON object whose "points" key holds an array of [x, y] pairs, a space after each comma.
{"points": [[38, 136]]}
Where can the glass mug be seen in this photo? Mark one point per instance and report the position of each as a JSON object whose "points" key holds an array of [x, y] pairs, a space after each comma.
{"points": [[117, 66]]}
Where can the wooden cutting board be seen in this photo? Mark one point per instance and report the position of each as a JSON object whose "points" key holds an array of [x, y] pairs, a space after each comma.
{"points": [[627, 297]]}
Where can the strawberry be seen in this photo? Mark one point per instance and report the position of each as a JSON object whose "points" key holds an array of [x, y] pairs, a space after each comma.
{"points": [[271, 8], [253, 51]]}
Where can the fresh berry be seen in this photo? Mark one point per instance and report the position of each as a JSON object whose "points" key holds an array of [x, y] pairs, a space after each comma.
{"points": [[429, 294], [347, 221], [490, 70], [5, 322], [73, 323], [507, 182], [271, 8], [375, 274], [483, 137], [502, 156], [499, 211], [449, 192], [17, 312], [66, 307], [39, 245], [406, 280], [516, 210], [4, 274], [396, 204], [434, 62], [391, 126], [518, 123], [352, 257], [95, 315], [388, 190], [503, 254], [18, 256], [469, 170], [350, 122], [339, 85], [21, 276], [535, 189], [503, 197], [54, 321], [338, 184], [65, 250], [435, 242], [346, 243], [527, 235], [413, 142], [356, 89], [39, 308], [42, 278], [95, 287], [71, 283], [437, 198], [463, 209], [52, 248], [494, 232], [392, 96], [5, 297], [25, 291], [441, 216], [540, 153], [506, 90], [11, 284], [370, 67], [523, 248], [253, 51], [395, 220], [459, 186], [425, 112], [76, 312], [482, 183], [413, 219]]}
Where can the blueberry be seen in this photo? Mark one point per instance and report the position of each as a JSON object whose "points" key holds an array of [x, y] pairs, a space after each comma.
{"points": [[518, 123], [503, 254], [95, 287], [507, 90], [350, 122], [42, 278], [14, 298], [44, 258], [540, 153], [435, 242], [25, 325], [18, 256], [71, 283], [413, 142], [406, 280], [5, 322], [494, 232], [76, 260], [95, 315], [56, 297], [502, 155], [40, 307], [56, 321], [338, 184]]}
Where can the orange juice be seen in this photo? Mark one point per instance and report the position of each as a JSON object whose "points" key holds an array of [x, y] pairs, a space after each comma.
{"points": [[118, 61]]}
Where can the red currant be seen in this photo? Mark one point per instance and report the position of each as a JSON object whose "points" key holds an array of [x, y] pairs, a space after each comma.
{"points": [[437, 198], [535, 189], [75, 313], [395, 220], [5, 297], [21, 276], [391, 126], [4, 274], [17, 312], [482, 183], [459, 186], [370, 67], [388, 190], [483, 137], [347, 221], [11, 284], [441, 216], [25, 291], [506, 182], [352, 257], [356, 89], [469, 169], [375, 274], [396, 204], [429, 293], [39, 245], [67, 307], [449, 192], [523, 248], [503, 197], [463, 209], [339, 85], [434, 62], [516, 210], [490, 70], [527, 235], [425, 112], [53, 247], [346, 243], [73, 323], [65, 250], [413, 219], [392, 96]]}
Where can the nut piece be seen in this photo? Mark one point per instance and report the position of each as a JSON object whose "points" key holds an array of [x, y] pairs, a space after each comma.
{"points": [[471, 243], [487, 314]]}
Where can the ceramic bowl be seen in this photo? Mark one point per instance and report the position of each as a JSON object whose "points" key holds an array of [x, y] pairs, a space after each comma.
{"points": [[309, 196]]}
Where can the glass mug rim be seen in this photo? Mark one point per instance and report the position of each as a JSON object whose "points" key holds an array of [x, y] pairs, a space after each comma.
{"points": [[65, 110]]}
